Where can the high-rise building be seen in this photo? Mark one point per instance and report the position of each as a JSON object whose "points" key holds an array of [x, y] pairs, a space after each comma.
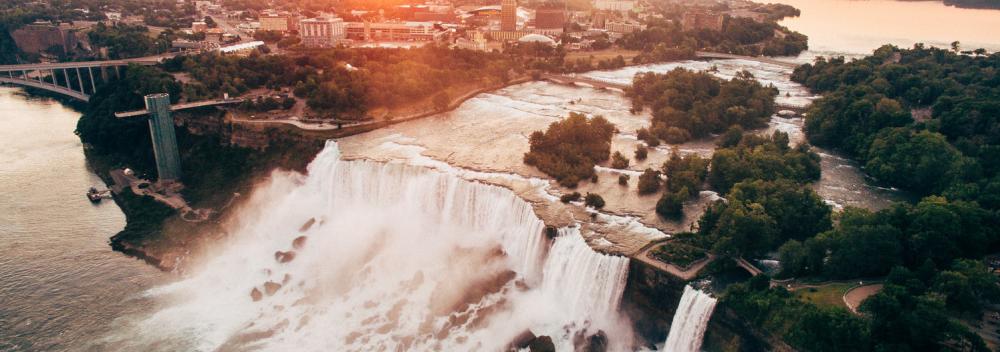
{"points": [[694, 20], [508, 15], [550, 17], [161, 129], [322, 32]]}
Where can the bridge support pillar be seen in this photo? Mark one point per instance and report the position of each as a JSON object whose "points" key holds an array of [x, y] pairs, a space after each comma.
{"points": [[93, 87], [79, 79], [104, 74], [161, 129], [66, 77]]}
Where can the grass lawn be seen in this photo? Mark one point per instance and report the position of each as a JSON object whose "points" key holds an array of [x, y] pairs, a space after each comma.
{"points": [[831, 295]]}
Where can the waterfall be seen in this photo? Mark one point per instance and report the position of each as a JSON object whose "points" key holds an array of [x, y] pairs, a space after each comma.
{"points": [[370, 256], [690, 321]]}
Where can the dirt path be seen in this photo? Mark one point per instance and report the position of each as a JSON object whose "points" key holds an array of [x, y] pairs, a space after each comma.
{"points": [[855, 296]]}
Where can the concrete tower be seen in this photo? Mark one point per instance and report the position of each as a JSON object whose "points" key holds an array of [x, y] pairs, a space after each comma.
{"points": [[161, 129], [508, 15]]}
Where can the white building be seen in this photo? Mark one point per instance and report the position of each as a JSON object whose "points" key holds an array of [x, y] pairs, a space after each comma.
{"points": [[615, 5], [322, 32]]}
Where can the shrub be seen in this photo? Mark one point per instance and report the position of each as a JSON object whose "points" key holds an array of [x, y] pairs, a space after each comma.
{"points": [[640, 152], [671, 204], [623, 179], [649, 181], [572, 197], [619, 161], [594, 200]]}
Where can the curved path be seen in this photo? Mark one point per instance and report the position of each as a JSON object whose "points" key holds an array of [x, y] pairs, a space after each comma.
{"points": [[857, 295]]}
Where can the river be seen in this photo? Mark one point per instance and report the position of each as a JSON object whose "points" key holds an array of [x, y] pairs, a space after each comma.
{"points": [[62, 288], [856, 28], [60, 283]]}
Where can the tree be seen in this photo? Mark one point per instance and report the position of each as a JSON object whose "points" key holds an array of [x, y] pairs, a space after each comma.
{"points": [[800, 213], [922, 161], [640, 152], [570, 148], [623, 179], [671, 204], [744, 230], [594, 200], [794, 259], [649, 182], [619, 161]]}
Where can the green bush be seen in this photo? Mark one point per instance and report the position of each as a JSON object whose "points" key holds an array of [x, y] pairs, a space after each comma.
{"points": [[594, 200], [649, 182]]}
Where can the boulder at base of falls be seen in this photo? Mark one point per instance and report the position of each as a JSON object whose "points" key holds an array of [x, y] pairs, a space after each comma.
{"points": [[551, 232], [284, 257], [271, 287], [305, 227], [256, 295], [299, 242], [594, 343], [522, 340], [542, 344]]}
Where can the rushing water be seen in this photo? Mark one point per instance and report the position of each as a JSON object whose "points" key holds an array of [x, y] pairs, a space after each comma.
{"points": [[391, 257], [850, 27], [425, 256], [60, 283], [690, 321]]}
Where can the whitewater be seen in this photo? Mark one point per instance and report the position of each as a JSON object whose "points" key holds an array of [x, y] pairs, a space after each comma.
{"points": [[371, 256]]}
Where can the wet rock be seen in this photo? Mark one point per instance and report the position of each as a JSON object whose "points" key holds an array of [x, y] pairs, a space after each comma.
{"points": [[542, 344], [551, 232], [522, 340], [594, 343], [305, 227], [284, 257], [299, 242], [256, 295], [271, 287]]}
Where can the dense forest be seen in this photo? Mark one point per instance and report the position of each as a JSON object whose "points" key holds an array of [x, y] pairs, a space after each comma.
{"points": [[921, 119], [689, 105], [667, 40]]}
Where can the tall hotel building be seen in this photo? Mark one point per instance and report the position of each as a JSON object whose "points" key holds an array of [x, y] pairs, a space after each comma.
{"points": [[322, 32], [508, 15]]}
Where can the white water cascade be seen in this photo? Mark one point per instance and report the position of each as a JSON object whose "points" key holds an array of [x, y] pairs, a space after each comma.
{"points": [[368, 256], [690, 321]]}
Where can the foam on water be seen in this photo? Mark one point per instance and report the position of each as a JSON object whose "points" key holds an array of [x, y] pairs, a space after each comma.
{"points": [[399, 258], [690, 321]]}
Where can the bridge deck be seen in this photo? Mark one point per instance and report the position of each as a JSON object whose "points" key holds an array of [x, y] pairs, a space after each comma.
{"points": [[176, 107], [148, 60]]}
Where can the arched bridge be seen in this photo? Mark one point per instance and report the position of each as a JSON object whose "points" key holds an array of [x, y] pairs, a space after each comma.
{"points": [[56, 77]]}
